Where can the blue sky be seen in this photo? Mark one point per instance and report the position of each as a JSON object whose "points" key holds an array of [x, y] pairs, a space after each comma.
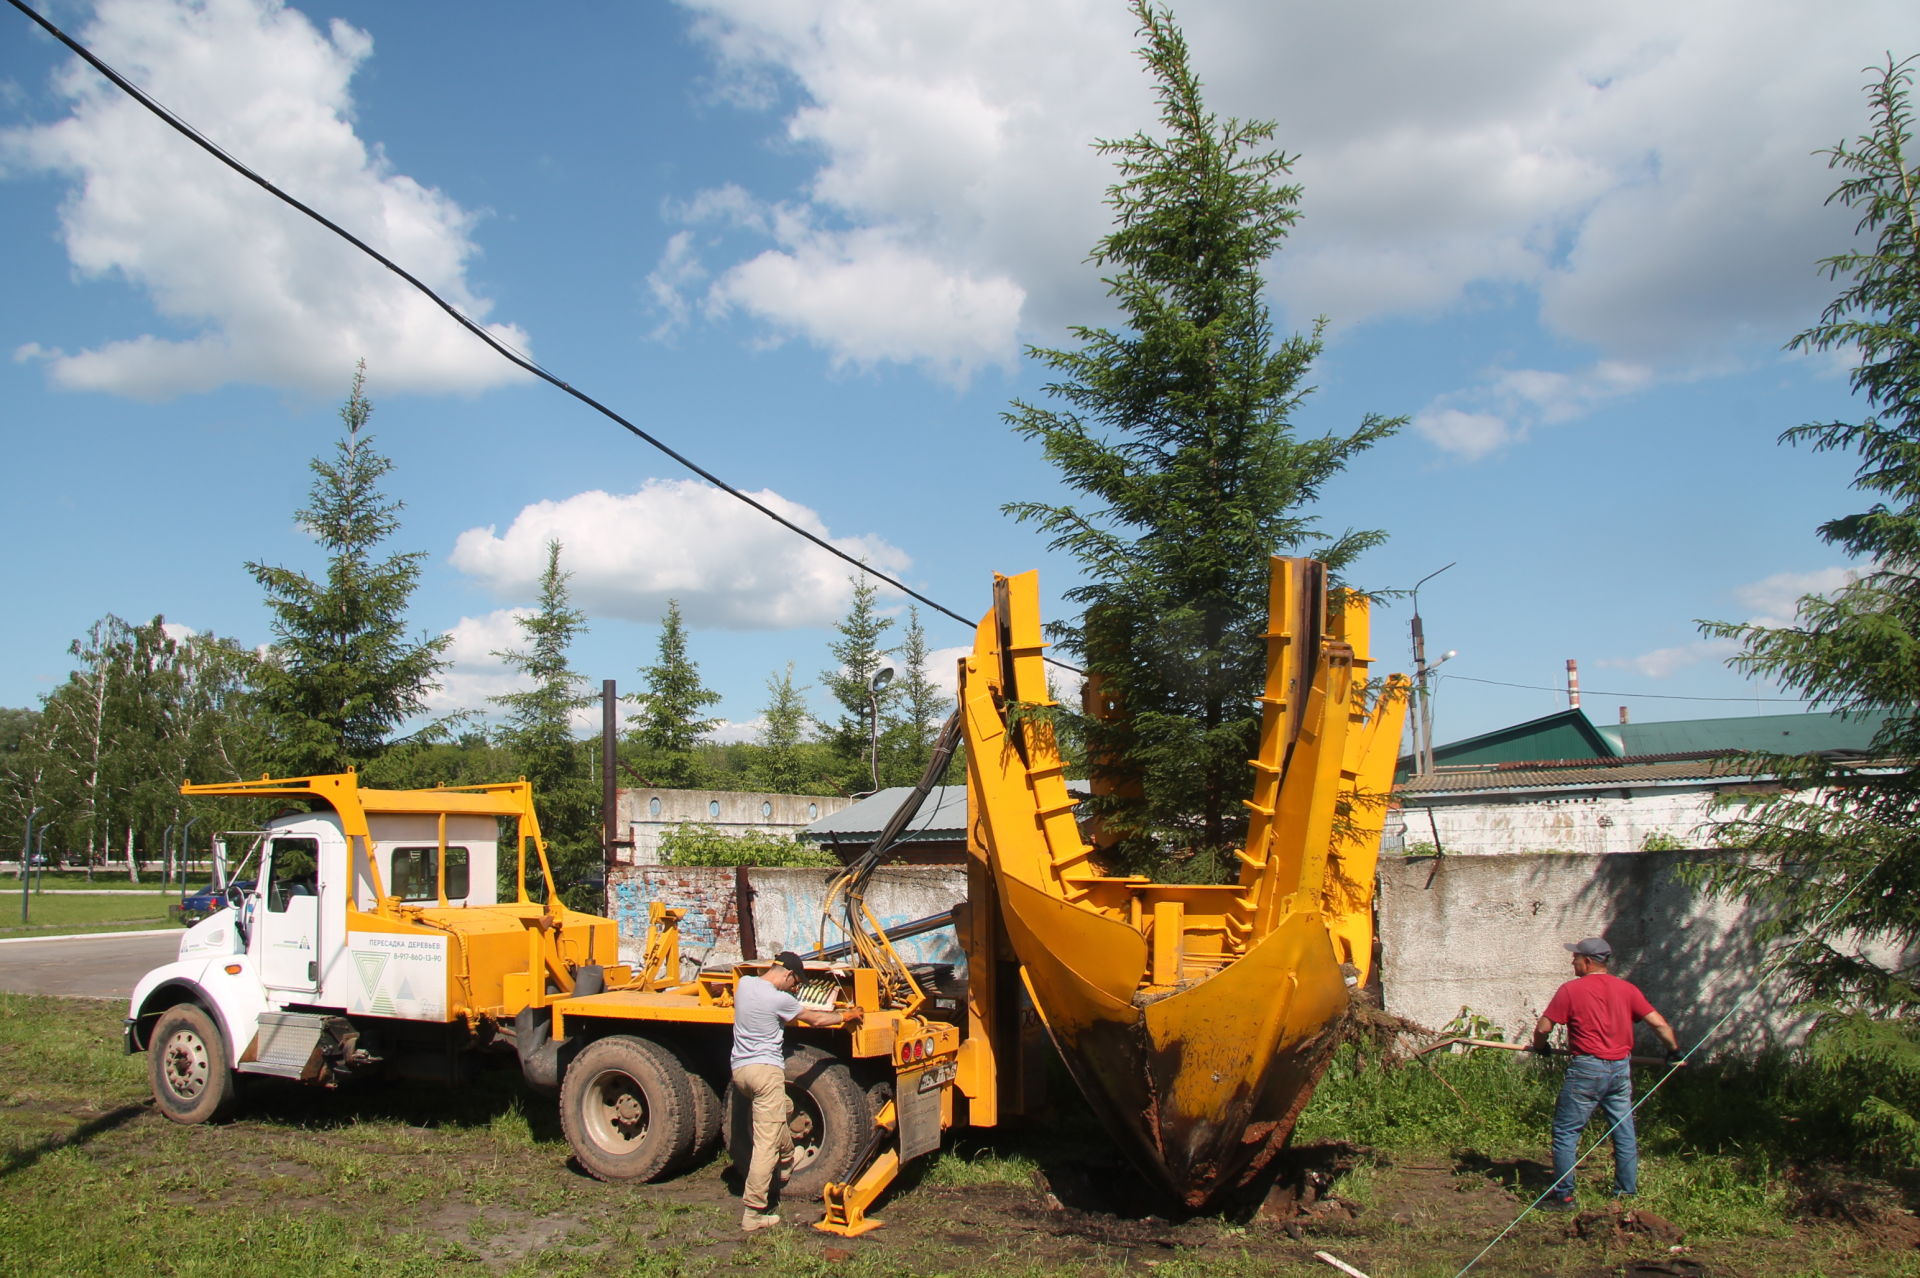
{"points": [[805, 241]]}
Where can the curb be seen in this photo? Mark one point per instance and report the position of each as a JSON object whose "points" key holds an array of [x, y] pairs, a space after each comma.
{"points": [[88, 936]]}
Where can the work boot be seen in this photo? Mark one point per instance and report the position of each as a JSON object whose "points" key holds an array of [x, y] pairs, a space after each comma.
{"points": [[1554, 1202], [751, 1220]]}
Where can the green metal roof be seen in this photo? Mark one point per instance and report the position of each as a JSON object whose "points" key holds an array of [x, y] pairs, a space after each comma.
{"points": [[1775, 733], [1569, 734]]}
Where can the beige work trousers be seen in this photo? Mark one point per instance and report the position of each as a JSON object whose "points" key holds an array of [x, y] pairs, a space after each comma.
{"points": [[772, 1138]]}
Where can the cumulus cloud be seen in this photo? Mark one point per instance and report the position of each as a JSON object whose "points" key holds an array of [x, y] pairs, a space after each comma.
{"points": [[265, 295], [1506, 407], [1771, 601], [1613, 168], [727, 565], [1774, 601], [476, 673]]}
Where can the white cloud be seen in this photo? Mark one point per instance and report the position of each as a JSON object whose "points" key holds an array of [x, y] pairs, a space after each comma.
{"points": [[475, 675], [267, 296], [866, 299], [729, 566], [1662, 662], [1771, 601], [1508, 404], [1639, 172], [1468, 436], [1774, 601]]}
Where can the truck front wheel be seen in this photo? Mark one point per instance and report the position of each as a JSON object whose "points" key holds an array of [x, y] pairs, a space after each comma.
{"points": [[187, 1063], [627, 1109]]}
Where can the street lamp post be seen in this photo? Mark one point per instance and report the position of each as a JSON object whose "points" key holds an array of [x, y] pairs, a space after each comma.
{"points": [[1423, 717], [26, 858], [876, 681]]}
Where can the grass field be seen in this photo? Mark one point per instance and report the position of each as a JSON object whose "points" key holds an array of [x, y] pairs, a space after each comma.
{"points": [[399, 1180], [60, 913]]}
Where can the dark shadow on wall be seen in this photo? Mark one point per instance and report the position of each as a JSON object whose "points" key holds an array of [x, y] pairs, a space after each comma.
{"points": [[1691, 952]]}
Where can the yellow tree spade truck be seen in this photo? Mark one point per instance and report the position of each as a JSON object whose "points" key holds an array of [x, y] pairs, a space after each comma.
{"points": [[1196, 1018]]}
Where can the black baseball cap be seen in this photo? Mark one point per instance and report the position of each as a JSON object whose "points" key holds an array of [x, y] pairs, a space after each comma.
{"points": [[791, 961], [1593, 947]]}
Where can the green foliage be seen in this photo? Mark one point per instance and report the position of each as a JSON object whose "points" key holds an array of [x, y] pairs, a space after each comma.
{"points": [[670, 724], [706, 845], [788, 760], [1833, 858], [539, 737], [104, 758], [1661, 841], [915, 709], [858, 657], [342, 675], [1180, 429]]}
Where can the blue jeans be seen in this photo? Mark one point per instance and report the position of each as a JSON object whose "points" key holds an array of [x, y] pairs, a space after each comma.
{"points": [[1590, 1084]]}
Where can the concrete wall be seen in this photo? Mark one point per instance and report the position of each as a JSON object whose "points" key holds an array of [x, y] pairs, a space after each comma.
{"points": [[1485, 933], [785, 906], [1587, 823], [647, 814]]}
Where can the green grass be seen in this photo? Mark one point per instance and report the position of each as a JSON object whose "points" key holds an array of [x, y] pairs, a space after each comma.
{"points": [[401, 1179], [55, 914]]}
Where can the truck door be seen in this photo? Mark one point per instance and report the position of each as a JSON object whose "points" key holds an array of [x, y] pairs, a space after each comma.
{"points": [[286, 917]]}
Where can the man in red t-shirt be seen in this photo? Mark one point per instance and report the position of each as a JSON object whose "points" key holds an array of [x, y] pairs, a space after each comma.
{"points": [[1599, 1010]]}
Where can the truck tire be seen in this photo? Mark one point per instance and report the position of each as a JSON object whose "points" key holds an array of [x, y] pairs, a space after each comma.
{"points": [[830, 1117], [626, 1106], [187, 1065], [706, 1109]]}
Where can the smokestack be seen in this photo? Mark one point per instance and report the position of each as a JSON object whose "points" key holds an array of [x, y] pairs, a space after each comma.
{"points": [[1623, 714], [1573, 684]]}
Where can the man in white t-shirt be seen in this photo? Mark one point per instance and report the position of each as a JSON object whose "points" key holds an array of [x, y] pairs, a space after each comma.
{"points": [[763, 1006]]}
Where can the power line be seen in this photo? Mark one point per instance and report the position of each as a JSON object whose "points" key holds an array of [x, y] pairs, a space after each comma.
{"points": [[506, 352], [1642, 696]]}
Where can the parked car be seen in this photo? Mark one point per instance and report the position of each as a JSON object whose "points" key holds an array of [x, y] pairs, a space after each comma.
{"points": [[194, 906]]}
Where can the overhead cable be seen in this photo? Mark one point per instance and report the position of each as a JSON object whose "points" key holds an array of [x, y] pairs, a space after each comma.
{"points": [[506, 352]]}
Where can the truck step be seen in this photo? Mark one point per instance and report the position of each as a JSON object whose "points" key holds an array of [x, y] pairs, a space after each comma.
{"points": [[288, 1045]]}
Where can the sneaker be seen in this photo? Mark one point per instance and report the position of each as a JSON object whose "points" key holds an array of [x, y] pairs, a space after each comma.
{"points": [[1553, 1202], [751, 1220]]}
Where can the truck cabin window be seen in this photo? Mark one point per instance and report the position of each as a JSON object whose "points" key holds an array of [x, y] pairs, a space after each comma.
{"points": [[295, 872], [416, 874]]}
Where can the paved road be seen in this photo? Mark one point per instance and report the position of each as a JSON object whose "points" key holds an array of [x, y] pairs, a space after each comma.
{"points": [[87, 966]]}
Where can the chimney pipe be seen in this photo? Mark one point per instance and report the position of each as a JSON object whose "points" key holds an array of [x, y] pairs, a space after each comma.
{"points": [[1573, 684], [1623, 714]]}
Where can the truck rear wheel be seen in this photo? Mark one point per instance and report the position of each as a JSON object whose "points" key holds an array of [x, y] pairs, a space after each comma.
{"points": [[829, 1116], [187, 1064], [705, 1111], [626, 1106]]}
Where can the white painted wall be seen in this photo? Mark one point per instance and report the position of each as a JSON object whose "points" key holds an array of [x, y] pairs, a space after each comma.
{"points": [[1486, 933], [1591, 824], [647, 814]]}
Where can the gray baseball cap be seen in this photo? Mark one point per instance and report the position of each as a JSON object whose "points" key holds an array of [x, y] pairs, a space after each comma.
{"points": [[1593, 947]]}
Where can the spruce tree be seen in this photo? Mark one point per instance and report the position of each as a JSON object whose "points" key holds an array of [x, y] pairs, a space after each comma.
{"points": [[1834, 856], [1179, 428], [858, 656], [918, 709], [670, 700], [539, 733], [342, 674], [784, 763]]}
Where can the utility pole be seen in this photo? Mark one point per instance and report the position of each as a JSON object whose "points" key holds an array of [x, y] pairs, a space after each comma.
{"points": [[1422, 692]]}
